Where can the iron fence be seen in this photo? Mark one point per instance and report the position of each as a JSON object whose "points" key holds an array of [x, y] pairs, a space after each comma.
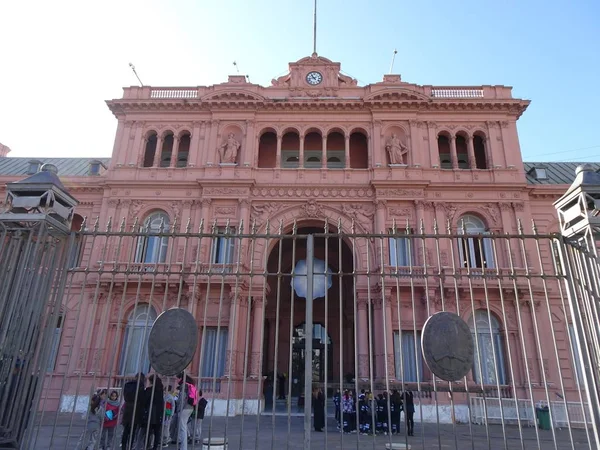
{"points": [[309, 319]]}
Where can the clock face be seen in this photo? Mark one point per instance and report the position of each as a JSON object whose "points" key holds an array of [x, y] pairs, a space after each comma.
{"points": [[314, 78]]}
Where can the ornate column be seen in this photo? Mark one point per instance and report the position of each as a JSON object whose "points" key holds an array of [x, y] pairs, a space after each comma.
{"points": [[471, 152], [378, 335], [490, 146], [124, 146], [157, 152], [413, 152], [257, 336], [301, 153], [453, 154], [237, 335], [347, 152], [389, 339], [133, 154], [196, 138], [380, 216], [324, 152], [362, 325], [247, 150], [174, 152], [434, 154], [278, 154], [376, 147]]}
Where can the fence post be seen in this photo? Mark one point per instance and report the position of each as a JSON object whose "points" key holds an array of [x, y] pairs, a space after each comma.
{"points": [[308, 340], [578, 213]]}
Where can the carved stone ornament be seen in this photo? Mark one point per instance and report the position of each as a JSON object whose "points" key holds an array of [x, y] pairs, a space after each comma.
{"points": [[396, 150], [312, 209], [225, 210], [228, 151], [492, 211], [400, 192], [400, 212], [360, 213], [262, 212]]}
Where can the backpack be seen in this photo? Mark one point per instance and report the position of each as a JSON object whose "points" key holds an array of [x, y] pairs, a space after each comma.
{"points": [[192, 393]]}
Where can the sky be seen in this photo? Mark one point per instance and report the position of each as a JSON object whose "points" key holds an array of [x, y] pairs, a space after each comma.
{"points": [[60, 60]]}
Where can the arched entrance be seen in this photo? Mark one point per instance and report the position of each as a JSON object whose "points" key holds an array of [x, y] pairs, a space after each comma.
{"points": [[285, 314], [321, 356]]}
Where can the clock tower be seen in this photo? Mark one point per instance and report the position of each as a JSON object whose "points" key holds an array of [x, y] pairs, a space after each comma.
{"points": [[314, 75]]}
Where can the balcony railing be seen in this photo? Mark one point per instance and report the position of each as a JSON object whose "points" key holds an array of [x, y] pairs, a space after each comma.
{"points": [[457, 93], [173, 93]]}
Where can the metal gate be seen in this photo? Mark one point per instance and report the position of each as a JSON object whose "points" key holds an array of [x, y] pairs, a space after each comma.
{"points": [[309, 336]]}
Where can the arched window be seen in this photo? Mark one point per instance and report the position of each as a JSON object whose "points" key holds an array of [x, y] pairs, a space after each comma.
{"points": [[267, 150], [479, 151], [167, 150], [134, 355], [150, 150], [489, 344], [476, 251], [444, 152], [152, 248], [462, 154], [183, 151]]}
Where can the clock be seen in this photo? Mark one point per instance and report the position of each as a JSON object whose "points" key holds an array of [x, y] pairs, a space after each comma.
{"points": [[314, 78]]}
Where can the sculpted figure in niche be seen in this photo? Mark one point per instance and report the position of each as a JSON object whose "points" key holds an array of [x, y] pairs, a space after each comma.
{"points": [[229, 149], [396, 149]]}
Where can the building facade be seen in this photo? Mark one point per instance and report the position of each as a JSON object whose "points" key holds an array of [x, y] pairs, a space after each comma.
{"points": [[314, 151]]}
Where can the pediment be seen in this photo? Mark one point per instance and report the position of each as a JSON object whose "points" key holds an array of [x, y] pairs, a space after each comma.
{"points": [[397, 94], [233, 95]]}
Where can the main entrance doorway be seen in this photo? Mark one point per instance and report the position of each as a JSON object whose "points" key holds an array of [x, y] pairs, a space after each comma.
{"points": [[332, 334], [321, 357]]}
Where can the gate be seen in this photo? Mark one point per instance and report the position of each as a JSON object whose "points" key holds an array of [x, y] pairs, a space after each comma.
{"points": [[352, 304]]}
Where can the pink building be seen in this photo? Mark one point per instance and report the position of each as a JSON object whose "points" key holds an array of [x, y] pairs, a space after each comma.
{"points": [[313, 148]]}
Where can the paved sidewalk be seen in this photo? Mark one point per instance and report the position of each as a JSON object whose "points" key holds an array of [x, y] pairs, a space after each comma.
{"points": [[278, 437]]}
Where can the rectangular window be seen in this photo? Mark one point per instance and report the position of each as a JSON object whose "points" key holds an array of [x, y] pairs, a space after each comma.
{"points": [[223, 246], [475, 252], [407, 356], [577, 372], [401, 250], [213, 352], [55, 345]]}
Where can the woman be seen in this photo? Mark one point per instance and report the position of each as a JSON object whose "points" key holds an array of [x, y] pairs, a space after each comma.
{"points": [[319, 409], [154, 408]]}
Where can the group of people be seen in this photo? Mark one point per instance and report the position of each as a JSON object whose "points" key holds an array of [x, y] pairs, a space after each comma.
{"points": [[376, 414], [150, 413]]}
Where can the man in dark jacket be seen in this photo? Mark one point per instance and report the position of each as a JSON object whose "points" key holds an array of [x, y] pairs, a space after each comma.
{"points": [[133, 410]]}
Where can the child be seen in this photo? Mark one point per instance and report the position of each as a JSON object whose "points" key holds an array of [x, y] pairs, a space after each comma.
{"points": [[169, 408], [111, 417], [92, 430]]}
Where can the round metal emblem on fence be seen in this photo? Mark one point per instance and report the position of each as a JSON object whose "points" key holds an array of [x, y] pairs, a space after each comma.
{"points": [[447, 345], [172, 342]]}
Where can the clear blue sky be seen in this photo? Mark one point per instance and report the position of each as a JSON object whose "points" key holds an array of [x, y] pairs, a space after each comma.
{"points": [[61, 60]]}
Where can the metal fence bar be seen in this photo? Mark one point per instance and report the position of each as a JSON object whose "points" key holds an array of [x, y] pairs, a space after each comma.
{"points": [[308, 342]]}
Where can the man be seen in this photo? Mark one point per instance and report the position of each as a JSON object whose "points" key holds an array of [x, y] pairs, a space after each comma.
{"points": [[199, 417], [133, 410], [409, 412]]}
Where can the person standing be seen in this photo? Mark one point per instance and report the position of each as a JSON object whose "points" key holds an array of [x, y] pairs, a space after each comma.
{"points": [[409, 412], [185, 407], [201, 408], [154, 405], [111, 417], [133, 410], [91, 434], [319, 409]]}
